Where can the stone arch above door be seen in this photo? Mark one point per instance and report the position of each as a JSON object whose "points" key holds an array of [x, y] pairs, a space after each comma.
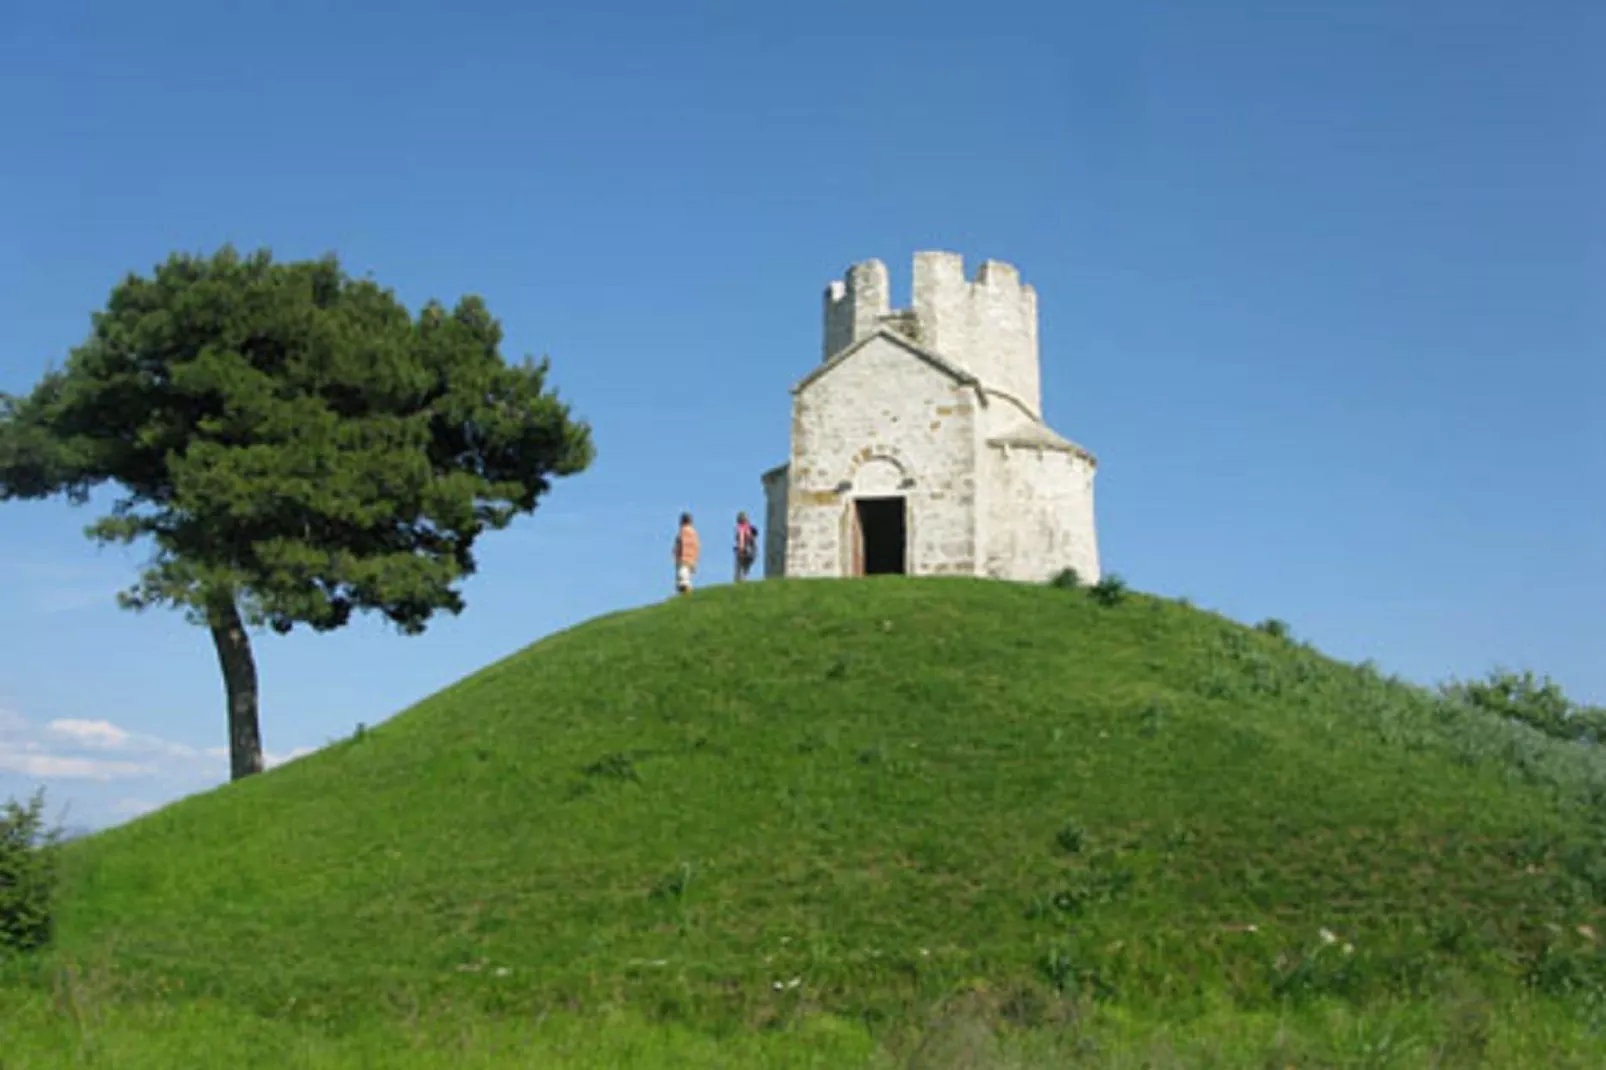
{"points": [[880, 475]]}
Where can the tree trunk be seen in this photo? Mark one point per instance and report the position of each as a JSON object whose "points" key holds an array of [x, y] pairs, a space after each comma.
{"points": [[240, 686]]}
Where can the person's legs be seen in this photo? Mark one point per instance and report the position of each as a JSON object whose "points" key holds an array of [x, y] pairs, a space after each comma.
{"points": [[683, 579]]}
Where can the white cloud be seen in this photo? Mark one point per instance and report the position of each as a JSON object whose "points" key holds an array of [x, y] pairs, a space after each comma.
{"points": [[82, 749], [92, 733], [80, 760], [56, 766], [103, 735], [269, 759]]}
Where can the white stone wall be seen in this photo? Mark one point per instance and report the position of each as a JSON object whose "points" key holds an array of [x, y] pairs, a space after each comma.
{"points": [[855, 305], [885, 421], [775, 522], [1039, 514], [987, 326]]}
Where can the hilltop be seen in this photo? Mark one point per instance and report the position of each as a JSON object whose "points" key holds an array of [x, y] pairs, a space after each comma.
{"points": [[863, 797]]}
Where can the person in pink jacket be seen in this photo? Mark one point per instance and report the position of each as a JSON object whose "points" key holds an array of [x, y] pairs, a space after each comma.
{"points": [[746, 546]]}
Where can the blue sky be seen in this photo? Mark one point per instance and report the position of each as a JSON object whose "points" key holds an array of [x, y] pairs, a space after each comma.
{"points": [[1323, 286]]}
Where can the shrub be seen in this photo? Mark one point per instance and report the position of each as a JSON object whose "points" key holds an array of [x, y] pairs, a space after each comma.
{"points": [[27, 875], [674, 886], [616, 766], [1151, 718], [1277, 629], [1094, 886], [1071, 969], [1109, 591], [1537, 702], [1067, 579], [1072, 837]]}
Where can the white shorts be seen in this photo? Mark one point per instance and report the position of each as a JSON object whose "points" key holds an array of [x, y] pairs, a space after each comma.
{"points": [[683, 577]]}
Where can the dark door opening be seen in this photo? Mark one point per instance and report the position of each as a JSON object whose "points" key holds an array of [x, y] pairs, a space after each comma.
{"points": [[881, 536]]}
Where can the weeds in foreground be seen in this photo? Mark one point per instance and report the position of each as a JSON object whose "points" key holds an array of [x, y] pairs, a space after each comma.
{"points": [[978, 1029]]}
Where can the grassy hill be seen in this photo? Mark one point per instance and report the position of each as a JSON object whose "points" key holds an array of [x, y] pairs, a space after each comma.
{"points": [[864, 799]]}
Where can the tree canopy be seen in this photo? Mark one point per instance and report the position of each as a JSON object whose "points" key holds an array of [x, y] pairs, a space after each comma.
{"points": [[294, 443]]}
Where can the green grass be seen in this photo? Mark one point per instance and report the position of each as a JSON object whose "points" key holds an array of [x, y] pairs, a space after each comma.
{"points": [[826, 806]]}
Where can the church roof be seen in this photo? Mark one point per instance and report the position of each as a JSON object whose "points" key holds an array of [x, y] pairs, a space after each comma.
{"points": [[941, 363], [1032, 433], [1038, 436]]}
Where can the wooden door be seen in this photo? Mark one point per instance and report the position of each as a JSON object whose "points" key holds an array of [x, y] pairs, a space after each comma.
{"points": [[855, 541]]}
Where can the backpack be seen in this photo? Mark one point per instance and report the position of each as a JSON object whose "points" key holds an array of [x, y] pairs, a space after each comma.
{"points": [[750, 548]]}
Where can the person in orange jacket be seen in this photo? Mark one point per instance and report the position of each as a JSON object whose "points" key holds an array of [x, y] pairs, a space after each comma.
{"points": [[687, 548]]}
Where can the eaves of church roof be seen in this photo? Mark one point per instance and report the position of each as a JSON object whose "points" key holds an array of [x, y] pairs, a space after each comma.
{"points": [[936, 360], [1038, 436]]}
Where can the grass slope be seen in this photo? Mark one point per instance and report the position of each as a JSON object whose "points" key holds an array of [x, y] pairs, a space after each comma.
{"points": [[862, 797]]}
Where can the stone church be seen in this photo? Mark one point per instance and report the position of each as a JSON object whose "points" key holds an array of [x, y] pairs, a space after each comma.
{"points": [[918, 443]]}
